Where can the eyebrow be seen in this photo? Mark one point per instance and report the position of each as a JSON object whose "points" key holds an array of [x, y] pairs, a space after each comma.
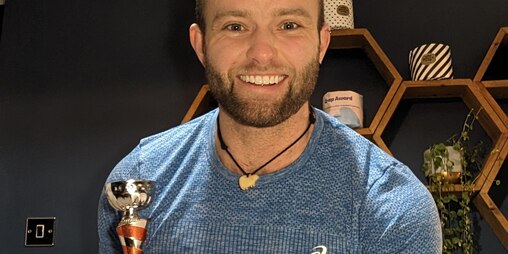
{"points": [[230, 13], [277, 13], [292, 12]]}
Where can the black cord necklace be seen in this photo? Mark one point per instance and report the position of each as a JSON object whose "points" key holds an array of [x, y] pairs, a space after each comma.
{"points": [[248, 180]]}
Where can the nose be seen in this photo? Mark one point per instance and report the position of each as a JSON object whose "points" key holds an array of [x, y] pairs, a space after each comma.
{"points": [[262, 47]]}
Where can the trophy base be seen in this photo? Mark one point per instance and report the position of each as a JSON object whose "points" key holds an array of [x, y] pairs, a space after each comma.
{"points": [[132, 235]]}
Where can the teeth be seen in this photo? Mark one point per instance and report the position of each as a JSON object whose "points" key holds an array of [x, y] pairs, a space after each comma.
{"points": [[262, 80], [259, 80]]}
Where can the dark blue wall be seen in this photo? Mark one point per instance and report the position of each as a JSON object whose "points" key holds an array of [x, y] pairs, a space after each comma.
{"points": [[82, 81]]}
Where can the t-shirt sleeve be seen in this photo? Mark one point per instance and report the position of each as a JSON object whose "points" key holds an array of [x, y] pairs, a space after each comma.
{"points": [[399, 215], [107, 217]]}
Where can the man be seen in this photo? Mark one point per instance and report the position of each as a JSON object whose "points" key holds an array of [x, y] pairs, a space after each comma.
{"points": [[267, 173]]}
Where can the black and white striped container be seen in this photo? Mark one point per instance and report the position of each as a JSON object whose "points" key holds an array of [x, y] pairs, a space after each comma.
{"points": [[431, 62], [339, 14]]}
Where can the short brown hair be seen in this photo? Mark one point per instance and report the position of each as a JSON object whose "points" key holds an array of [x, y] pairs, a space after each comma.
{"points": [[200, 15]]}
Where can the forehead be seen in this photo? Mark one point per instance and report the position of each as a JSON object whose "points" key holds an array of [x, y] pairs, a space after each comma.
{"points": [[262, 8]]}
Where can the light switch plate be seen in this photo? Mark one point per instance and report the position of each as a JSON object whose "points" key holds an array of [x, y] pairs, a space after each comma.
{"points": [[40, 232]]}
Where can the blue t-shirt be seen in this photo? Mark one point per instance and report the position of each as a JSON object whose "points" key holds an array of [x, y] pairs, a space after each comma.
{"points": [[342, 195]]}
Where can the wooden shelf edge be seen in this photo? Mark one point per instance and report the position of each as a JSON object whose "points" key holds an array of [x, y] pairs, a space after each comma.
{"points": [[361, 38], [348, 31], [366, 132], [498, 89], [502, 83], [489, 97], [387, 115], [196, 104], [381, 144], [437, 83], [457, 189], [428, 89], [493, 216], [384, 107], [489, 118], [503, 32], [502, 153], [383, 64], [492, 164]]}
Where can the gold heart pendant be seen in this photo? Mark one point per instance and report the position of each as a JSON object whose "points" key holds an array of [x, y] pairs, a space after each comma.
{"points": [[247, 181]]}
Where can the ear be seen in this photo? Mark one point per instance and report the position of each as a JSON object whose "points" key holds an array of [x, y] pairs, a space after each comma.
{"points": [[197, 41], [324, 36]]}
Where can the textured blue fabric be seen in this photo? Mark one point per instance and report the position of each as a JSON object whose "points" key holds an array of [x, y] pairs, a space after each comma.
{"points": [[343, 194]]}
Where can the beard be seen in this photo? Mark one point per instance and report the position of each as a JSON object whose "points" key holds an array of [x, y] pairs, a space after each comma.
{"points": [[260, 112]]}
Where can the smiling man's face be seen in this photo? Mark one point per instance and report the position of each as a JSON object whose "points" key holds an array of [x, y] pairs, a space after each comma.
{"points": [[262, 57]]}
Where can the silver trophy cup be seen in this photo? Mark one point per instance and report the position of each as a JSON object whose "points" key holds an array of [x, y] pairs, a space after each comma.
{"points": [[129, 197]]}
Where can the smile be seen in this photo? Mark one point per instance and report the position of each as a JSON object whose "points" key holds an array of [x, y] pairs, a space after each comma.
{"points": [[262, 80]]}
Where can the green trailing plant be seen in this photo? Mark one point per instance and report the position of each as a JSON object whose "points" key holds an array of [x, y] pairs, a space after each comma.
{"points": [[454, 204]]}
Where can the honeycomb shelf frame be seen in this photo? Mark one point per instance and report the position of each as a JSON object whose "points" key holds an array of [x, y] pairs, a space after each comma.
{"points": [[501, 37], [469, 92], [361, 38], [200, 105], [486, 206], [494, 89]]}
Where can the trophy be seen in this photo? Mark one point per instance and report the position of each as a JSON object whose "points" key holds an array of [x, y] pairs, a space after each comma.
{"points": [[129, 197]]}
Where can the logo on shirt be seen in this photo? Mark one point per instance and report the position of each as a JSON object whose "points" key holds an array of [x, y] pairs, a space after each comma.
{"points": [[321, 249]]}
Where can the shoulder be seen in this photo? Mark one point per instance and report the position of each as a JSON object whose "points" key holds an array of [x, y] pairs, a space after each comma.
{"points": [[380, 174], [160, 150], [345, 146], [181, 135], [399, 214], [395, 208]]}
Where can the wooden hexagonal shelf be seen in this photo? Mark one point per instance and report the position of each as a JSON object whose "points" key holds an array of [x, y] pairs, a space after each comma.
{"points": [[496, 60], [362, 39], [486, 206], [201, 104], [494, 95], [494, 88], [498, 50], [470, 94]]}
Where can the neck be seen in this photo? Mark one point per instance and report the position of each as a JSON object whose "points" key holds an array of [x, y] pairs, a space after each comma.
{"points": [[252, 147]]}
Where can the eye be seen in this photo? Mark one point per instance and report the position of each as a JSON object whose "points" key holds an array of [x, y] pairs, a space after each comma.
{"points": [[234, 27], [289, 26]]}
